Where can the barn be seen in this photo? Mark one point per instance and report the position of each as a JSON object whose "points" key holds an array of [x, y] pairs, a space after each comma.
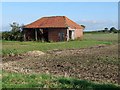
{"points": [[54, 28]]}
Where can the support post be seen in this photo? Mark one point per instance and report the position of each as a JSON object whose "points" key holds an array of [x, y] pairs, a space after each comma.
{"points": [[36, 34], [67, 34], [24, 35]]}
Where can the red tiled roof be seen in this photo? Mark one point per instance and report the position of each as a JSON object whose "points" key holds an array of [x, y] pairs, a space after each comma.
{"points": [[53, 22]]}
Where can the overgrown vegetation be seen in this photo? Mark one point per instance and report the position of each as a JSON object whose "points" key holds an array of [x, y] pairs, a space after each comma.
{"points": [[11, 48], [17, 80], [16, 47], [16, 33]]}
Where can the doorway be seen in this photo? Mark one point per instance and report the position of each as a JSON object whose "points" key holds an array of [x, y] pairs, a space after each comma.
{"points": [[71, 34]]}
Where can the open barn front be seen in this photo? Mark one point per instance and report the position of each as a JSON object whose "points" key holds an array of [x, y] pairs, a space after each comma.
{"points": [[35, 34], [45, 34]]}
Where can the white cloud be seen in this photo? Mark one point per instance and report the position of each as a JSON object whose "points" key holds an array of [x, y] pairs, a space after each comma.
{"points": [[97, 24]]}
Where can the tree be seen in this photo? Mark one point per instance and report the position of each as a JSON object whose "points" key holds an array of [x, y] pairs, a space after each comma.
{"points": [[83, 26], [15, 27], [15, 30], [15, 33], [113, 29], [105, 29]]}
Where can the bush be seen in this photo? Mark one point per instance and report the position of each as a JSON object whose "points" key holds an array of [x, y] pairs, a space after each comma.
{"points": [[12, 36], [16, 33]]}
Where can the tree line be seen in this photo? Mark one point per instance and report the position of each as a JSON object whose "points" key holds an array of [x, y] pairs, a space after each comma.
{"points": [[106, 30], [111, 30]]}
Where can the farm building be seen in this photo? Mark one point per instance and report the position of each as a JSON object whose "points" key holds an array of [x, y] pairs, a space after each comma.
{"points": [[54, 28]]}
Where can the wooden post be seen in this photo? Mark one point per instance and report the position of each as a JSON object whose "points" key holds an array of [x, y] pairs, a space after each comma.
{"points": [[36, 34], [24, 35], [67, 34]]}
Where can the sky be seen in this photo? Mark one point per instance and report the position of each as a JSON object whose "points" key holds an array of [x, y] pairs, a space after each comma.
{"points": [[94, 15]]}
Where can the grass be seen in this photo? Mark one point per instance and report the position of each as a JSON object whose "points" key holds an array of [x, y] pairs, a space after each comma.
{"points": [[16, 47], [0, 79], [17, 80], [110, 37]]}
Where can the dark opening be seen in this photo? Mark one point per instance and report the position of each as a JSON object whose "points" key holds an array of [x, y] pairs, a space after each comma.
{"points": [[36, 34], [70, 34], [45, 35]]}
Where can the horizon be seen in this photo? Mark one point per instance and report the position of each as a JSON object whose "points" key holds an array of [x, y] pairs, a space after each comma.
{"points": [[94, 15]]}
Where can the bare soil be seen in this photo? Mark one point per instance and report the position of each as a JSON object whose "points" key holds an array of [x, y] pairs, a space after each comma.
{"points": [[98, 63]]}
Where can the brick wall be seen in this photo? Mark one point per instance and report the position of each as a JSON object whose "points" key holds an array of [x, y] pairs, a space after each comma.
{"points": [[53, 34], [79, 33]]}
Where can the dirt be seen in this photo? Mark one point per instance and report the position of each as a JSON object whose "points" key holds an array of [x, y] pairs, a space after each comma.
{"points": [[99, 63], [34, 53]]}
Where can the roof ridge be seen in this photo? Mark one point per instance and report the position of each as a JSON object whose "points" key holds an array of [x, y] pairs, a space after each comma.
{"points": [[52, 16]]}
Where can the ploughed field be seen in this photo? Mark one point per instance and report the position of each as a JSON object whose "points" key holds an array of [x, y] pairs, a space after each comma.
{"points": [[97, 62]]}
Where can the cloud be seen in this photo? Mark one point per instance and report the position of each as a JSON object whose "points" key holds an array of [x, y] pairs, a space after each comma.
{"points": [[92, 25]]}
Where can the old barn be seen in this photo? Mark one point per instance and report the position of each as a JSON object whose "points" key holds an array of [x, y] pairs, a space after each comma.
{"points": [[54, 28]]}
